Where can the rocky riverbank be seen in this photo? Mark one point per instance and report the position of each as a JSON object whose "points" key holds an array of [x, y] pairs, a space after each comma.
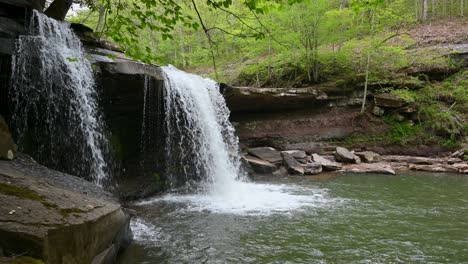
{"points": [[267, 160], [50, 217], [57, 218]]}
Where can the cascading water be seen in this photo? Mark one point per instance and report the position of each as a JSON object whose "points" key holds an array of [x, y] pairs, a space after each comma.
{"points": [[201, 141], [201, 145], [54, 100]]}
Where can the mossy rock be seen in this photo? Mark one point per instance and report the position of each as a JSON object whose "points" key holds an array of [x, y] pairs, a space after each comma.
{"points": [[20, 192]]}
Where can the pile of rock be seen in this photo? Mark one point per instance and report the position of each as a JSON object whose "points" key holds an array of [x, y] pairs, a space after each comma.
{"points": [[267, 160]]}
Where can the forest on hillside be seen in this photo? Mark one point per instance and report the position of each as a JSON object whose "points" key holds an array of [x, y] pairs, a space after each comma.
{"points": [[387, 46], [317, 36]]}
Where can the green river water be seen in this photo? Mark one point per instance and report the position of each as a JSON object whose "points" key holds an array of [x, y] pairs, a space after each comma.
{"points": [[417, 218]]}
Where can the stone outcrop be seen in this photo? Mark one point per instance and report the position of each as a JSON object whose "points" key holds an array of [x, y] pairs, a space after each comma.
{"points": [[293, 166], [266, 153], [312, 168], [380, 168], [8, 148], [326, 163], [57, 218], [250, 99], [260, 166], [121, 84], [344, 155], [369, 156], [388, 100], [434, 168]]}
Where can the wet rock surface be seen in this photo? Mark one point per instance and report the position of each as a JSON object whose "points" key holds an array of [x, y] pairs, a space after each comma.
{"points": [[326, 163], [380, 168], [293, 166], [295, 163], [344, 155], [8, 148], [266, 153], [260, 166], [57, 218]]}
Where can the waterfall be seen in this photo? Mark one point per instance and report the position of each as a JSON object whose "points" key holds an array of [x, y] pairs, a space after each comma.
{"points": [[54, 100], [201, 147], [200, 142]]}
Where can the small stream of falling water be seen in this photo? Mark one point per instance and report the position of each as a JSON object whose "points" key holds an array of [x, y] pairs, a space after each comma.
{"points": [[54, 99], [203, 151]]}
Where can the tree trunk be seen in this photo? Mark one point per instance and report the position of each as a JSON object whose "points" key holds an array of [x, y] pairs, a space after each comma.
{"points": [[58, 9], [102, 13], [461, 8], [424, 17], [364, 97]]}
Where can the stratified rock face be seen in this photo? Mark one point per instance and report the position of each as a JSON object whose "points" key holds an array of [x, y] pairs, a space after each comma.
{"points": [[56, 217], [266, 153], [131, 96], [8, 149], [250, 99], [344, 155]]}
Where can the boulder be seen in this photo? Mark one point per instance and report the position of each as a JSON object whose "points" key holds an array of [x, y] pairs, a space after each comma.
{"points": [[369, 156], [344, 155], [380, 168], [281, 172], [58, 218], [293, 166], [388, 100], [8, 149], [297, 154], [266, 153], [312, 168], [260, 166], [326, 163]]}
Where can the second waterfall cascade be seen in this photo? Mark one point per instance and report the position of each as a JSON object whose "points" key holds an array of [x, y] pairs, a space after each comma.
{"points": [[203, 151]]}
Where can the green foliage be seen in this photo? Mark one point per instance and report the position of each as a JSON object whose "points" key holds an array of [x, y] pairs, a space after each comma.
{"points": [[405, 132], [405, 94]]}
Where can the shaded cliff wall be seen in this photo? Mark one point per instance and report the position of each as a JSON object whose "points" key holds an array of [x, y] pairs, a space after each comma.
{"points": [[130, 100]]}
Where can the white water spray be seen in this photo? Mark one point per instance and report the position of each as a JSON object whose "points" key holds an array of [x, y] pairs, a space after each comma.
{"points": [[55, 100], [201, 144]]}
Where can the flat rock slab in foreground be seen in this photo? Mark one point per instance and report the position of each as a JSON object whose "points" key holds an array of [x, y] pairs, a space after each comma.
{"points": [[380, 168], [56, 217]]}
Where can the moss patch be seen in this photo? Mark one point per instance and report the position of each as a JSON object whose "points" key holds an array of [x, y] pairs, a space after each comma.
{"points": [[68, 211], [20, 192]]}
